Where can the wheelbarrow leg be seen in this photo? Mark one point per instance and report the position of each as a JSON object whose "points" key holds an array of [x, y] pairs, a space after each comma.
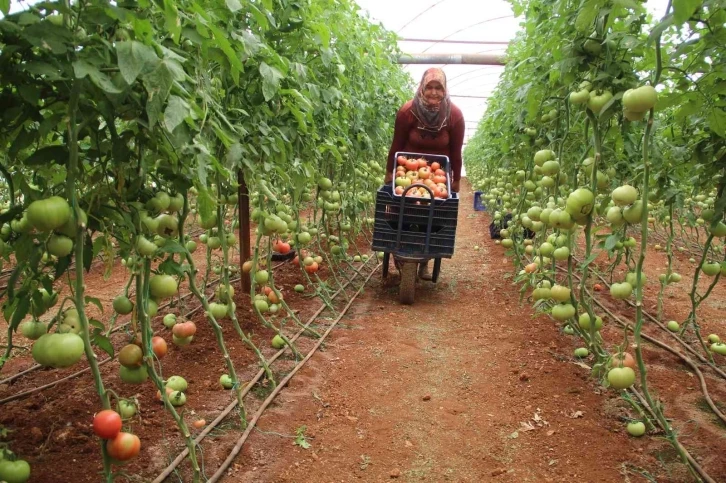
{"points": [[437, 270]]}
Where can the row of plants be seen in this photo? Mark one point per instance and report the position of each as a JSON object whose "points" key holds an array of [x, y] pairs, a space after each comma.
{"points": [[127, 122], [618, 136]]}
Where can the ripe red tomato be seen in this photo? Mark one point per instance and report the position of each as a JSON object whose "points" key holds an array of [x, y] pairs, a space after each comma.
{"points": [[312, 268], [435, 166], [124, 446], [597, 287], [184, 330], [107, 424], [401, 160], [158, 345]]}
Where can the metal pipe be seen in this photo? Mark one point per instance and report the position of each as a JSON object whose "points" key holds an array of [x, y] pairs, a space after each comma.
{"points": [[478, 42], [470, 59]]}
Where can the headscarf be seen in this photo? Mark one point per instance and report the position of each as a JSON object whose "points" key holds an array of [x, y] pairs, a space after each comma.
{"points": [[434, 118]]}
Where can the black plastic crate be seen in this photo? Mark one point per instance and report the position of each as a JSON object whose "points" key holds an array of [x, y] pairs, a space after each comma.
{"points": [[430, 158], [414, 225]]}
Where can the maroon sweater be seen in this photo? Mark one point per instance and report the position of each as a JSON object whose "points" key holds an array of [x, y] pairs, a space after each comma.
{"points": [[408, 137]]}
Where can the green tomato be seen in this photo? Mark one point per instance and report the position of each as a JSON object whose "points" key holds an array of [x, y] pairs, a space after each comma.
{"points": [[226, 382], [719, 348], [145, 247], [633, 212], [581, 352], [169, 321], [48, 214], [624, 195], [636, 429], [584, 322], [218, 311], [122, 305], [673, 326], [126, 408], [568, 330], [177, 398], [59, 245], [621, 291], [560, 293], [711, 269], [163, 286], [33, 330], [299, 288], [713, 338], [580, 204], [58, 350], [209, 223], [621, 377], [17, 471], [133, 375], [177, 383], [598, 101], [563, 312], [641, 99], [277, 342]]}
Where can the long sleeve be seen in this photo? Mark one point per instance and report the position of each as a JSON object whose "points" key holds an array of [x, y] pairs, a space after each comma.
{"points": [[458, 128], [400, 136]]}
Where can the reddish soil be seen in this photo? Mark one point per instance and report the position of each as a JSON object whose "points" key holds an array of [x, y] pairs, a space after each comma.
{"points": [[465, 385]]}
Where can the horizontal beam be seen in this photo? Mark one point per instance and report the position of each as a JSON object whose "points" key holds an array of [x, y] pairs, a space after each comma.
{"points": [[469, 59], [476, 42], [471, 97]]}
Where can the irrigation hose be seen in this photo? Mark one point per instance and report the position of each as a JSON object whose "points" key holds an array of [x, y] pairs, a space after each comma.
{"points": [[172, 466], [238, 447]]}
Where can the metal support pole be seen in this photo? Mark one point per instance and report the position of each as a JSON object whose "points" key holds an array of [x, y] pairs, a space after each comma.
{"points": [[245, 252], [470, 59]]}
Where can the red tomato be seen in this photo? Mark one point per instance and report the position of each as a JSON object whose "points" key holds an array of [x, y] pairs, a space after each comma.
{"points": [[597, 287], [107, 424], [422, 163], [296, 261], [312, 268], [124, 446], [158, 345], [435, 166], [184, 329], [412, 165], [399, 190], [401, 160]]}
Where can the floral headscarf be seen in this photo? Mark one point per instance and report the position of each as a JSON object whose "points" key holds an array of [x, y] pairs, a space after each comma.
{"points": [[433, 117]]}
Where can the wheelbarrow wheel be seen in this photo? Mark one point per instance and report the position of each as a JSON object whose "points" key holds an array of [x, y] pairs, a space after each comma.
{"points": [[407, 288]]}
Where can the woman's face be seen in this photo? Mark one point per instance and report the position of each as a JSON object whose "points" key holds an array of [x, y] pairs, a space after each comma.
{"points": [[434, 93]]}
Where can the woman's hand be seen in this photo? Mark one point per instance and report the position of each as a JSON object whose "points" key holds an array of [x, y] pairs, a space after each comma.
{"points": [[455, 186], [388, 178]]}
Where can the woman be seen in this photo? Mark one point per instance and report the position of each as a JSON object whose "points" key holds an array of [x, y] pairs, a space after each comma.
{"points": [[430, 124]]}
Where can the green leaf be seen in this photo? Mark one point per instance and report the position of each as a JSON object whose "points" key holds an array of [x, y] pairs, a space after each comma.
{"points": [[611, 241], [20, 311], [172, 246], [683, 9], [5, 6], [47, 155], [717, 121], [158, 84], [222, 42], [586, 16], [96, 323], [270, 80], [81, 69], [173, 23], [233, 5], [94, 301], [175, 112], [102, 342], [133, 58]]}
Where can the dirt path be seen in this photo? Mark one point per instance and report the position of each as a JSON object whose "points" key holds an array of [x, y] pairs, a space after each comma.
{"points": [[465, 385]]}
